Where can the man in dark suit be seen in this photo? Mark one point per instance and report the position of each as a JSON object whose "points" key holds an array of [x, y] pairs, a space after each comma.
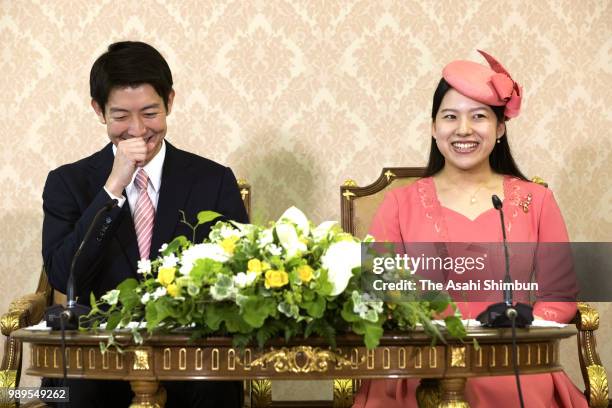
{"points": [[131, 90]]}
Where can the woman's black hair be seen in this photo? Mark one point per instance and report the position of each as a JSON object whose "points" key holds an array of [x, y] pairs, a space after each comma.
{"points": [[501, 159]]}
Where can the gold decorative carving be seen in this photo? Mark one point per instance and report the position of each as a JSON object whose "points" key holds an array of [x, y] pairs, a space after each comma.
{"points": [[231, 360], [348, 194], [79, 358], [106, 360], [244, 193], [598, 386], [199, 359], [428, 393], [214, 359], [386, 358], [389, 175], [458, 356], [182, 359], [401, 357], [119, 361], [349, 183], [371, 357], [454, 404], [418, 360], [141, 360], [493, 359], [479, 363], [261, 393], [91, 360], [506, 358], [167, 359], [45, 361], [589, 317], [355, 358], [8, 379], [301, 359], [433, 357], [343, 393], [528, 354], [9, 322], [246, 364]]}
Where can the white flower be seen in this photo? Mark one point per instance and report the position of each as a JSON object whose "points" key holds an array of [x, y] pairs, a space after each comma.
{"points": [[323, 229], [289, 239], [266, 237], [244, 279], [339, 260], [274, 250], [144, 266], [159, 292], [297, 217], [201, 251], [169, 261], [243, 229], [111, 297], [145, 298]]}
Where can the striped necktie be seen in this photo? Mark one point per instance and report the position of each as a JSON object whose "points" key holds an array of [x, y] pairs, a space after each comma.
{"points": [[144, 215]]}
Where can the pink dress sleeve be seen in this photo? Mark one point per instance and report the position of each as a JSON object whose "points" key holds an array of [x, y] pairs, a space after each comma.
{"points": [[557, 275], [385, 226]]}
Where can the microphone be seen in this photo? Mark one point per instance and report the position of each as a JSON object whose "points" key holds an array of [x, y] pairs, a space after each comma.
{"points": [[58, 317], [506, 314]]}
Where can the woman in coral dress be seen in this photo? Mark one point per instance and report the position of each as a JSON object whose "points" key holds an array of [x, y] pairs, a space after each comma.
{"points": [[470, 160]]}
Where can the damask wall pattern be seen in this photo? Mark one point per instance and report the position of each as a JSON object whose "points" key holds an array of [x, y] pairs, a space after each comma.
{"points": [[297, 96]]}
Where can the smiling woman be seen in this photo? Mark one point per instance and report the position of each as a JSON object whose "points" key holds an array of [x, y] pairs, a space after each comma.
{"points": [[469, 161]]}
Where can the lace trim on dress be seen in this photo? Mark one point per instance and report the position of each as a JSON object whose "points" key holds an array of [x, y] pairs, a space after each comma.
{"points": [[433, 208]]}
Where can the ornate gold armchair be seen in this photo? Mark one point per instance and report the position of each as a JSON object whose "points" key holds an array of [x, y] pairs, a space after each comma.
{"points": [[29, 310], [358, 205]]}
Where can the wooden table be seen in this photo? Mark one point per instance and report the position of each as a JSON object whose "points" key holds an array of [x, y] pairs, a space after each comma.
{"points": [[445, 367]]}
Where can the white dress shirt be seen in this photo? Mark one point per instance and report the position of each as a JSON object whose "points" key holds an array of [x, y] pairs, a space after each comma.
{"points": [[154, 171]]}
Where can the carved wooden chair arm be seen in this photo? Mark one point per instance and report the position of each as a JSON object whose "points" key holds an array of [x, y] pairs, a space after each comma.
{"points": [[593, 372], [24, 311]]}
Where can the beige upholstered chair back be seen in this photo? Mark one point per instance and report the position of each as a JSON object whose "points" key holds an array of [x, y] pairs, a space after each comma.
{"points": [[359, 204]]}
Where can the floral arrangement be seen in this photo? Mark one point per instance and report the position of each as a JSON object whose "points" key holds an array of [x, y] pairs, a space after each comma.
{"points": [[254, 283]]}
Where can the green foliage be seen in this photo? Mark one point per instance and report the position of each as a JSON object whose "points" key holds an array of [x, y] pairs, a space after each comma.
{"points": [[255, 283]]}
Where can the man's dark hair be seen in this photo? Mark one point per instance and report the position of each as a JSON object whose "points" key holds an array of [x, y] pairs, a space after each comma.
{"points": [[129, 63], [500, 159]]}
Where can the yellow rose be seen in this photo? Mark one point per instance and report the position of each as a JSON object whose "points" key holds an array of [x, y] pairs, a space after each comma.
{"points": [[305, 272], [254, 265], [165, 276], [173, 290], [276, 279], [229, 244]]}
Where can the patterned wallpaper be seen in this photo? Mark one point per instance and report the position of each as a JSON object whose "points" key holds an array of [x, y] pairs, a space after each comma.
{"points": [[297, 96]]}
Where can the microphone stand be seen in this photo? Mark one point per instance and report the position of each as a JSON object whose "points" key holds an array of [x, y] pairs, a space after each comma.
{"points": [[506, 314], [63, 318]]}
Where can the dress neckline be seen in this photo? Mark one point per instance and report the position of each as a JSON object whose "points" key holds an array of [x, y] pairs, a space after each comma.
{"points": [[436, 214], [505, 180]]}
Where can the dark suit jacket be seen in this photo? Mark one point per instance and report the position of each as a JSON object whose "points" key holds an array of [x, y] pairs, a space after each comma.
{"points": [[74, 193]]}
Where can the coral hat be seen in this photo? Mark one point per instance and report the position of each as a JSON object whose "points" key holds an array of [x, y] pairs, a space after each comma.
{"points": [[493, 86]]}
